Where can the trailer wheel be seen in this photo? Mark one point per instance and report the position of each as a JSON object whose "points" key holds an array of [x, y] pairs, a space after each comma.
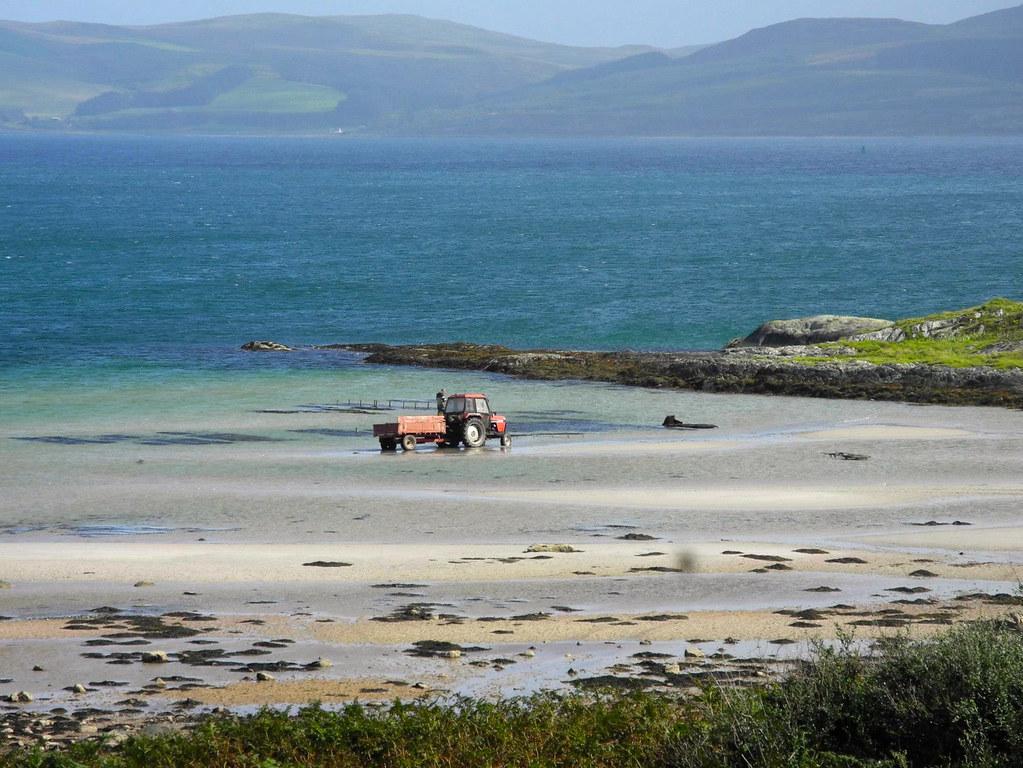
{"points": [[388, 444], [506, 441], [474, 434], [409, 442]]}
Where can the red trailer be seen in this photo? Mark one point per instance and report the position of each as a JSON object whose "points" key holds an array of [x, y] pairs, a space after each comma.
{"points": [[409, 431]]}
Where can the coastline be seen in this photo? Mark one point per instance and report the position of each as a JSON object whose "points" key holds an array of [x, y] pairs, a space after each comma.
{"points": [[727, 371], [971, 356]]}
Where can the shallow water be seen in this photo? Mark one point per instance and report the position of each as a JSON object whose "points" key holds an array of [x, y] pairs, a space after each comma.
{"points": [[241, 459]]}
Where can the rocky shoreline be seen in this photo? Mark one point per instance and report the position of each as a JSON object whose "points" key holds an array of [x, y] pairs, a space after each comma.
{"points": [[972, 356], [744, 370]]}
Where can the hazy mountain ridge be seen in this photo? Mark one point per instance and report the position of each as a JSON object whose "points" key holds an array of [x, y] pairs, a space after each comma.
{"points": [[407, 74], [803, 77], [344, 71]]}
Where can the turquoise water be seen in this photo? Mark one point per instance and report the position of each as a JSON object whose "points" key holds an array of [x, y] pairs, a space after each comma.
{"points": [[137, 259]]}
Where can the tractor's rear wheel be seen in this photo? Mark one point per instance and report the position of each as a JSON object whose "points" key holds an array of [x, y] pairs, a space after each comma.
{"points": [[474, 433], [409, 442]]}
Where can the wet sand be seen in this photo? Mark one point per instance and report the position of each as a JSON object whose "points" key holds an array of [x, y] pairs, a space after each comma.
{"points": [[285, 545]]}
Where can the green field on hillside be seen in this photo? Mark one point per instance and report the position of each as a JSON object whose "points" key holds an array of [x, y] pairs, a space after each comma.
{"points": [[268, 94]]}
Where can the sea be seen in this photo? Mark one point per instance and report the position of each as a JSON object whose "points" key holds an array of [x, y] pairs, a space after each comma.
{"points": [[133, 264]]}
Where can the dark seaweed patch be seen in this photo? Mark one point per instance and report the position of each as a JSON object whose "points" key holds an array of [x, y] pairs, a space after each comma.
{"points": [[160, 438], [430, 648], [327, 564]]}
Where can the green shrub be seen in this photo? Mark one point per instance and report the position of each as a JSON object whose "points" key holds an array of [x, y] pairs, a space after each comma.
{"points": [[954, 702]]}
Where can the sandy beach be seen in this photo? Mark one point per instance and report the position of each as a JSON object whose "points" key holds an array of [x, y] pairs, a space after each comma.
{"points": [[165, 575]]}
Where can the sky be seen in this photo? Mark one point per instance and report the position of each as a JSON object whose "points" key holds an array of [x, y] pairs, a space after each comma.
{"points": [[664, 23]]}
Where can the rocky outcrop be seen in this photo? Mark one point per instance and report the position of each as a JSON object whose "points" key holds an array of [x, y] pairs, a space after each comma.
{"points": [[265, 346], [810, 330], [977, 321], [731, 371], [787, 357]]}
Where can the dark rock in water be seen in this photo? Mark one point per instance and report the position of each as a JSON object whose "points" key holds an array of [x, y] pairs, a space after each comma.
{"points": [[847, 561], [638, 537], [812, 551], [265, 346], [822, 589], [672, 423], [769, 558], [908, 590], [921, 573], [848, 456], [810, 330]]}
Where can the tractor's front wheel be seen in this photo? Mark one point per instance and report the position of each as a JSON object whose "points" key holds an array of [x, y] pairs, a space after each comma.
{"points": [[506, 441], [408, 442], [474, 434]]}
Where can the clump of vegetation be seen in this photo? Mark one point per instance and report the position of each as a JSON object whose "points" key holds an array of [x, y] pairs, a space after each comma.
{"points": [[952, 702], [543, 730], [987, 335]]}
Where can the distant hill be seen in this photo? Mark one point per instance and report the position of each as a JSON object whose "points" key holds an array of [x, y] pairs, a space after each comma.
{"points": [[264, 72], [410, 75], [803, 77]]}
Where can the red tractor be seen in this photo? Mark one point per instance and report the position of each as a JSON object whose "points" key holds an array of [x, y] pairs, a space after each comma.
{"points": [[467, 418]]}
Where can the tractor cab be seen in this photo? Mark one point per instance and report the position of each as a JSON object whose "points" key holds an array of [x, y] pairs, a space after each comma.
{"points": [[469, 419]]}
